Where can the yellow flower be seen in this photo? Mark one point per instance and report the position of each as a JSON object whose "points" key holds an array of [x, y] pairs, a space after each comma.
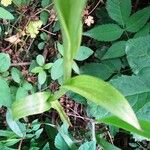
{"points": [[6, 2]]}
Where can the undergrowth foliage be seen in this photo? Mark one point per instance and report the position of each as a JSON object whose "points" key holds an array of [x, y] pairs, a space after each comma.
{"points": [[105, 69]]}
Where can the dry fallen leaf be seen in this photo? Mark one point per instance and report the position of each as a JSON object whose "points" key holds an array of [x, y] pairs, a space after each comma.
{"points": [[15, 39]]}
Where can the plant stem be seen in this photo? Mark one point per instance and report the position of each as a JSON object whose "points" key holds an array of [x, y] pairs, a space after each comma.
{"points": [[93, 131], [67, 67]]}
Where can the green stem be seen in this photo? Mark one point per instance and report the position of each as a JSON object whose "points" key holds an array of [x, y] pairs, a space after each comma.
{"points": [[67, 69]]}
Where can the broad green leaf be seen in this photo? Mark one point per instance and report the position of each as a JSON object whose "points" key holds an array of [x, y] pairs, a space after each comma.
{"points": [[69, 13], [4, 14], [116, 50], [57, 106], [30, 105], [103, 94], [21, 3], [138, 53], [5, 96], [8, 134], [107, 32], [21, 93], [119, 10], [83, 53], [16, 75], [138, 20], [42, 77], [15, 126], [4, 62], [112, 120], [106, 145], [62, 139], [40, 60], [57, 69], [88, 146]]}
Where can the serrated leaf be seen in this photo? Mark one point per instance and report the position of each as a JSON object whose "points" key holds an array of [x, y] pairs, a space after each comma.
{"points": [[119, 10], [144, 31], [138, 20], [107, 32], [4, 62], [138, 53], [104, 95], [83, 53], [4, 14], [116, 50], [30, 105], [5, 96]]}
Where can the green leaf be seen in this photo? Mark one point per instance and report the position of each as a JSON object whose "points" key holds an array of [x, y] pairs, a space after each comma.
{"points": [[15, 126], [4, 14], [107, 32], [106, 145], [97, 70], [30, 105], [40, 60], [21, 93], [37, 70], [75, 67], [41, 45], [116, 50], [138, 53], [44, 17], [42, 77], [124, 125], [45, 3], [144, 31], [57, 69], [134, 88], [5, 96], [69, 13], [16, 75], [104, 95], [83, 53], [62, 139], [138, 20], [48, 66], [119, 10], [88, 146], [4, 62]]}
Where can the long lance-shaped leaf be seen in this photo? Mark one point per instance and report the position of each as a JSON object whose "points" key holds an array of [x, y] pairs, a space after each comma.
{"points": [[112, 120], [69, 13], [30, 105], [104, 95]]}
